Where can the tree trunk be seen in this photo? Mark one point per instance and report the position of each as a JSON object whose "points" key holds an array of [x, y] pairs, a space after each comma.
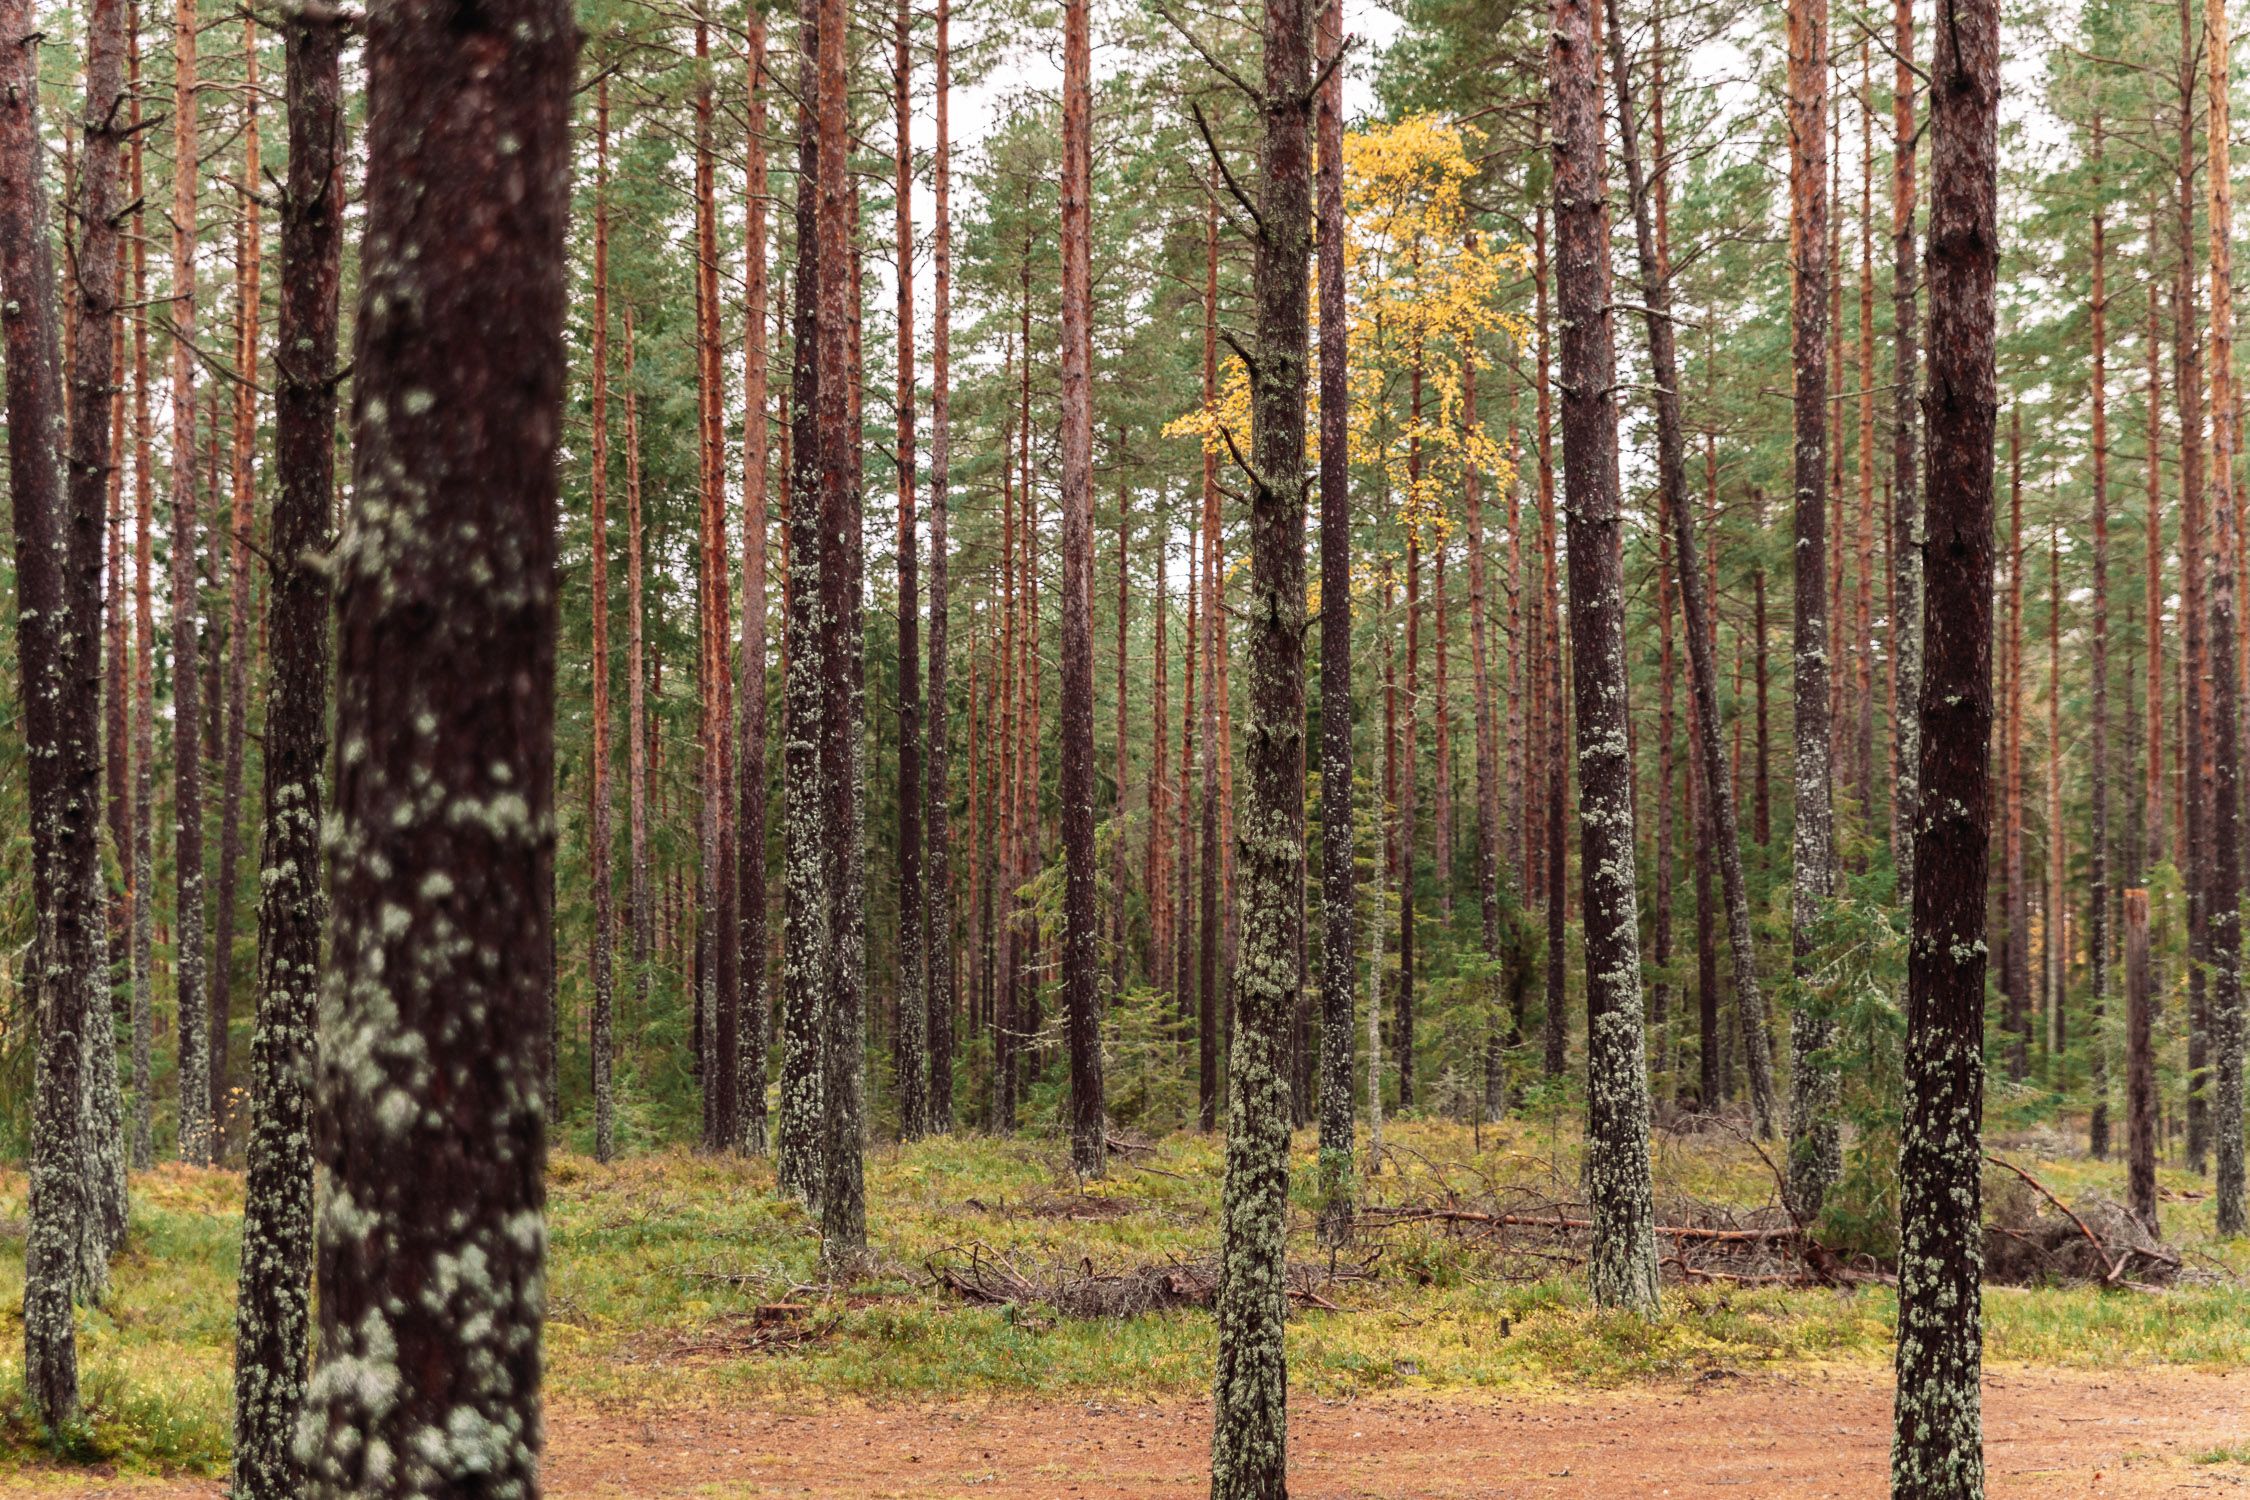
{"points": [[435, 1125], [1814, 1145], [843, 1209], [1409, 764], [58, 573], [195, 1125], [1660, 920], [1717, 785], [1863, 599], [750, 670], [273, 1304], [2018, 970], [1487, 753], [144, 653], [2054, 918], [1623, 1268], [1155, 858], [603, 1040], [1555, 1040], [911, 1038], [805, 937], [91, 474], [2140, 1066], [2098, 846], [2152, 555], [1937, 1449], [1249, 1447], [1081, 955], [1207, 916], [2223, 902], [2187, 363], [937, 929], [240, 526], [1906, 494]]}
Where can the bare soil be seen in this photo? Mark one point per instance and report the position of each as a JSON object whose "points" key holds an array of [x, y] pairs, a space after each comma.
{"points": [[1804, 1433]]}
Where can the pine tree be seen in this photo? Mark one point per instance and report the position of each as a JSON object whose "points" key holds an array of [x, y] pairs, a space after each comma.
{"points": [[461, 312]]}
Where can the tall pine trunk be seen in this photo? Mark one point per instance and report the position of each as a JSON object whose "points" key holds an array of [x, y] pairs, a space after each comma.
{"points": [[600, 837], [1207, 913], [750, 668], [1813, 1139], [273, 1304], [195, 1111], [910, 1038], [937, 941], [1249, 1447], [58, 573], [1622, 1272], [1906, 493], [144, 652], [1937, 1447], [1081, 956], [2097, 750], [434, 1120]]}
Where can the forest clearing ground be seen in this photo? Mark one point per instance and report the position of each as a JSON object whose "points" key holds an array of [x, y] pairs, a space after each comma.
{"points": [[1803, 1432], [684, 1298]]}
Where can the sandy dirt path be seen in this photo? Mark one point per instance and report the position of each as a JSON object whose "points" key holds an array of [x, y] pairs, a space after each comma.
{"points": [[1800, 1433]]}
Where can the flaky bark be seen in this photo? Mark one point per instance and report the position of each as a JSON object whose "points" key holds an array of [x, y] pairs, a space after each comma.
{"points": [[1622, 1272], [2223, 903], [1937, 1450], [58, 572], [1815, 1152], [273, 1303], [435, 1125], [1249, 1447], [1081, 938]]}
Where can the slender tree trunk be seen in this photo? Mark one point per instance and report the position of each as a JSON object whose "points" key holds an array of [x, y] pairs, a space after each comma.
{"points": [[2140, 1066], [1441, 727], [641, 915], [462, 308], [1906, 493], [1667, 828], [1207, 917], [2054, 920], [1762, 781], [1623, 1268], [2098, 839], [1487, 753], [750, 670], [1863, 600], [1081, 955], [805, 937], [2223, 903], [911, 1039], [91, 475], [273, 1305], [2187, 383], [1717, 786], [240, 525], [2018, 970], [1813, 1141], [1118, 891], [1555, 1041], [1409, 765], [937, 943], [1937, 1449], [843, 1210], [603, 1048], [144, 652], [2152, 557], [1249, 1448], [58, 575], [195, 1124]]}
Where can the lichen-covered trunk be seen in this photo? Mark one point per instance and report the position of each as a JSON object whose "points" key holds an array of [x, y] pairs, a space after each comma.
{"points": [[937, 943], [805, 938], [1815, 1153], [92, 473], [910, 1038], [1081, 937], [1249, 1444], [1622, 1271], [602, 1038], [750, 667], [143, 866], [1937, 1447], [273, 1301], [58, 571], [841, 745], [2223, 901], [1716, 782], [195, 1107], [432, 1259]]}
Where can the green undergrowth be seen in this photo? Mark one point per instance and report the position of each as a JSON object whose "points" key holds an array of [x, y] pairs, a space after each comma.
{"points": [[683, 1278]]}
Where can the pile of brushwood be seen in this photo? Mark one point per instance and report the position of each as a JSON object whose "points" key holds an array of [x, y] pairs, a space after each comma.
{"points": [[980, 1275]]}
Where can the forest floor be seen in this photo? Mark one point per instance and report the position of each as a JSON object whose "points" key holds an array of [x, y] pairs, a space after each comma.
{"points": [[1024, 1334]]}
